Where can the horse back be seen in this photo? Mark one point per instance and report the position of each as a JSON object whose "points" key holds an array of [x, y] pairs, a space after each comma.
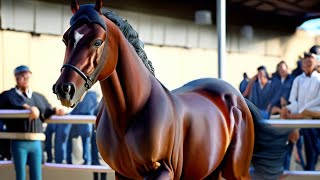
{"points": [[211, 85], [221, 93]]}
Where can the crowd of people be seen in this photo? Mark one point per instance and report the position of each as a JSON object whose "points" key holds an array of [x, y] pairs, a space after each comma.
{"points": [[294, 95], [31, 152]]}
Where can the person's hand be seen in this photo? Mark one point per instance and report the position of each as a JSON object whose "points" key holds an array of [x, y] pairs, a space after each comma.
{"points": [[59, 112], [306, 114], [254, 78], [34, 112], [275, 110], [26, 106], [317, 68], [294, 136], [284, 113]]}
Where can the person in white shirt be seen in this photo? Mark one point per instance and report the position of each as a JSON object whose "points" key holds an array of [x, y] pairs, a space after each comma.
{"points": [[305, 91], [305, 103]]}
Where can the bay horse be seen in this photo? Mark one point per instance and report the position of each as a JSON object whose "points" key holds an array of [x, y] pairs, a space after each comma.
{"points": [[203, 130]]}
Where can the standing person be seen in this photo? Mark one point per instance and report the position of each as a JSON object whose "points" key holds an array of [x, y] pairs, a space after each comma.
{"points": [[316, 51], [61, 132], [4, 145], [281, 84], [26, 152], [304, 102], [87, 106], [305, 92]]}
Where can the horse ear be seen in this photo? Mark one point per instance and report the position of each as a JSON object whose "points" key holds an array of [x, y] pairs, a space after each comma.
{"points": [[98, 6], [74, 6]]}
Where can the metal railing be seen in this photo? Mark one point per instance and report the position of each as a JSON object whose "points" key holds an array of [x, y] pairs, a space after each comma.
{"points": [[21, 114], [292, 123], [66, 119]]}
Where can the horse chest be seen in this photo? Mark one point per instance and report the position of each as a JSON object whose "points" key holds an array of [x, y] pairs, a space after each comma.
{"points": [[114, 152]]}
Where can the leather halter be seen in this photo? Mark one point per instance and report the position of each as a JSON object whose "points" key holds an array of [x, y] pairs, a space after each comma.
{"points": [[88, 80]]}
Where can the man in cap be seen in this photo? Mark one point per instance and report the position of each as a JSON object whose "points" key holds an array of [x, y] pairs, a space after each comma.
{"points": [[22, 97]]}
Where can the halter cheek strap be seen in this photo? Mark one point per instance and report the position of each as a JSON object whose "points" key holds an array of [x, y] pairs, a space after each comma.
{"points": [[88, 80]]}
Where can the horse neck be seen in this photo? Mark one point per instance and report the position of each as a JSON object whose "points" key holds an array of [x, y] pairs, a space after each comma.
{"points": [[128, 87]]}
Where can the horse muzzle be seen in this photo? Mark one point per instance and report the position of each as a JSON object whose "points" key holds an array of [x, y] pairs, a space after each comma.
{"points": [[65, 93]]}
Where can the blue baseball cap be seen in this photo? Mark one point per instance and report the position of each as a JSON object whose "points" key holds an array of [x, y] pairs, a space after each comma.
{"points": [[21, 69]]}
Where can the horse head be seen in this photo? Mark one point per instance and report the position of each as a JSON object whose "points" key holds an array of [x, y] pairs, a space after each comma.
{"points": [[85, 55]]}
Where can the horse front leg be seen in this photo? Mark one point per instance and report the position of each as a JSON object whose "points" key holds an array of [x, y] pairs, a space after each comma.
{"points": [[162, 172]]}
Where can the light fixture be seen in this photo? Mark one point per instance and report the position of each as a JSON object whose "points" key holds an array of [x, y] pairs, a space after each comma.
{"points": [[247, 32], [203, 17]]}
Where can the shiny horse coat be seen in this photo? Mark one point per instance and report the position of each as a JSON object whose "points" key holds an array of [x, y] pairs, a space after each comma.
{"points": [[201, 130]]}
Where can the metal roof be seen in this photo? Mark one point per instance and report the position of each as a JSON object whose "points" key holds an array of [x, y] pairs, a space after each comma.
{"points": [[286, 14], [282, 15]]}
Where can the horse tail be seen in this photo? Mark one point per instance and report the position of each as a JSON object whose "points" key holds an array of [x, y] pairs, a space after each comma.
{"points": [[269, 147]]}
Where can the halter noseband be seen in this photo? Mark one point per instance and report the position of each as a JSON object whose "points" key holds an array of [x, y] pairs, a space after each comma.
{"points": [[88, 80]]}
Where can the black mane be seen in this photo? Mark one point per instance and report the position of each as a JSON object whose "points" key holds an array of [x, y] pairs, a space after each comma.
{"points": [[132, 36]]}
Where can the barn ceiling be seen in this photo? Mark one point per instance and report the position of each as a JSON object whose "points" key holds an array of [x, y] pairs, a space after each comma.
{"points": [[282, 15]]}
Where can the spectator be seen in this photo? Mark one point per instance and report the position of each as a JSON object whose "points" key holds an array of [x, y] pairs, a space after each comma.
{"points": [[316, 51], [22, 97], [61, 132], [4, 145], [304, 100], [281, 84], [86, 107], [244, 83], [260, 91], [280, 89], [298, 70]]}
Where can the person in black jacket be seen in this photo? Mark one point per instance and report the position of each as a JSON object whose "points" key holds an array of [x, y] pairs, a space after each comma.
{"points": [[22, 97]]}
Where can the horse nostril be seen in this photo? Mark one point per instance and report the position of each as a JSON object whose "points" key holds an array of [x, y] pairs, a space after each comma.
{"points": [[66, 88]]}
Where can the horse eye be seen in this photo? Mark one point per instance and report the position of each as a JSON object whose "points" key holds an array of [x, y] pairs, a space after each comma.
{"points": [[97, 43]]}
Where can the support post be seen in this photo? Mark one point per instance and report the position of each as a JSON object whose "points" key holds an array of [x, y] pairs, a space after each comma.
{"points": [[221, 30]]}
